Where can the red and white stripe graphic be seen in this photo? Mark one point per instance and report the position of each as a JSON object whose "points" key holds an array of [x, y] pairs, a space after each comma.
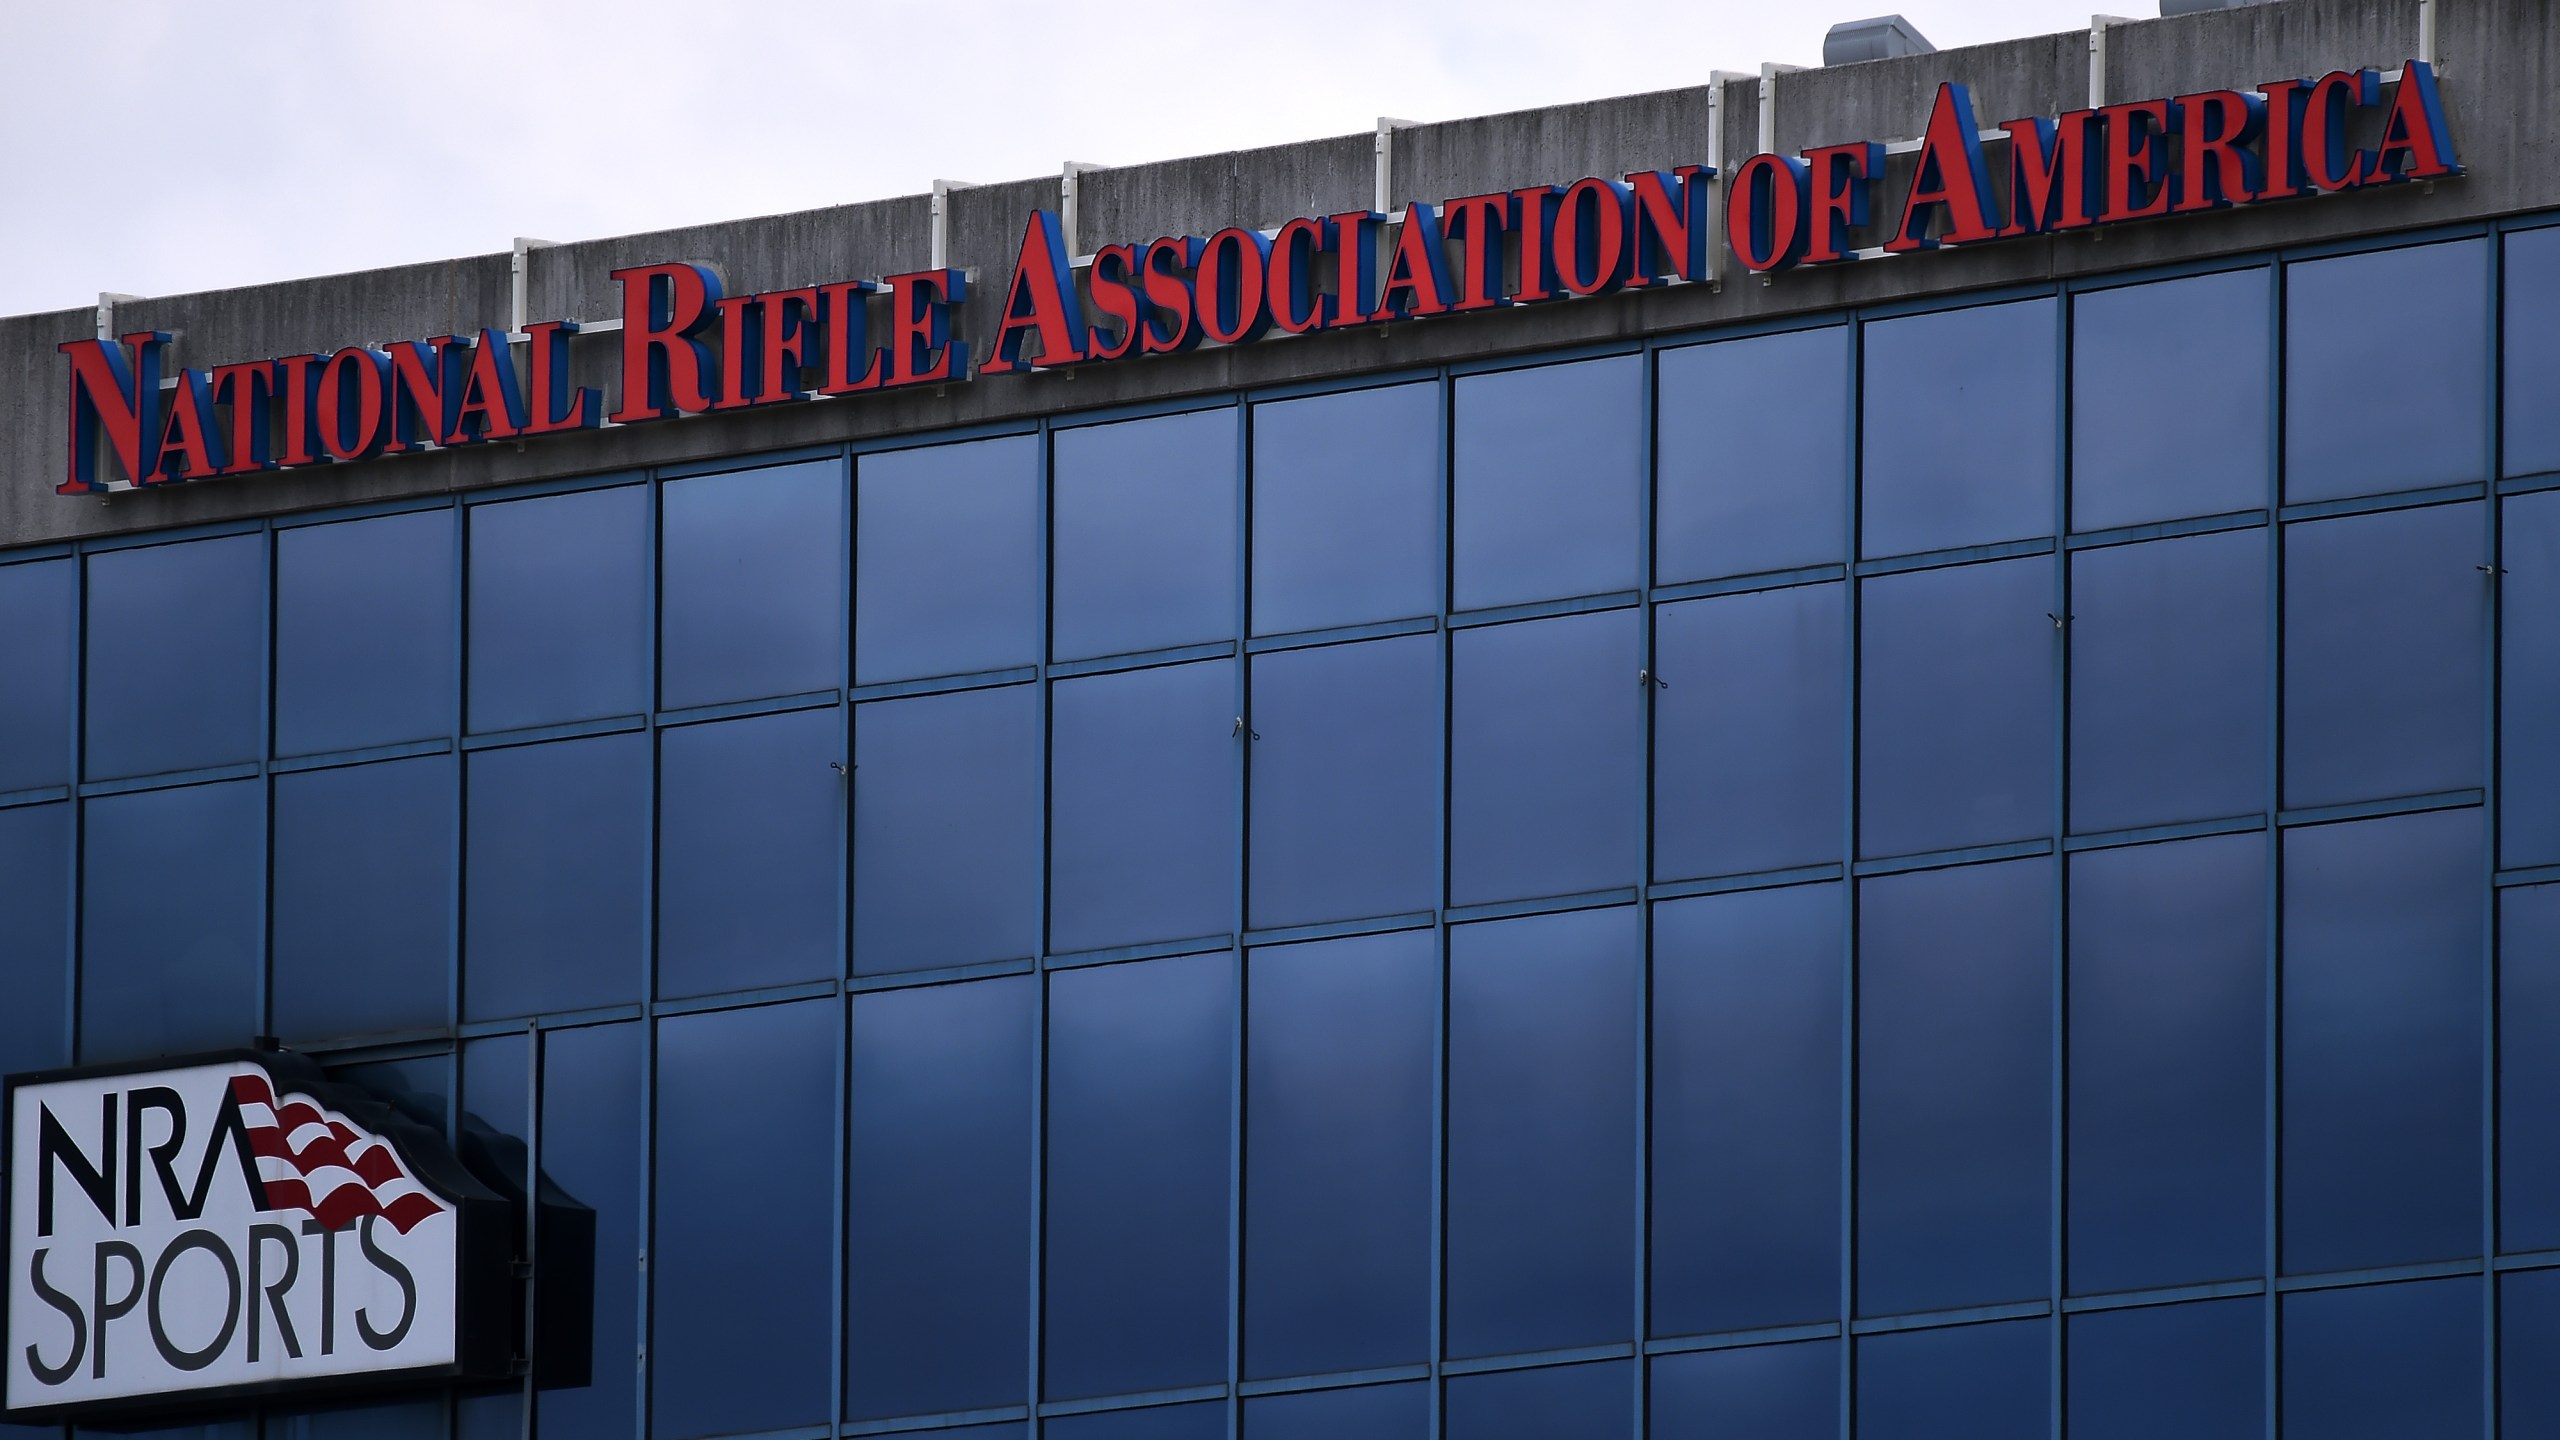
{"points": [[314, 1159]]}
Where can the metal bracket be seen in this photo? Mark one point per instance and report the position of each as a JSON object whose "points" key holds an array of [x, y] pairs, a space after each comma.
{"points": [[2098, 27], [1716, 81], [941, 248], [2427, 31], [1069, 183], [1769, 73], [1383, 163], [520, 280], [108, 300]]}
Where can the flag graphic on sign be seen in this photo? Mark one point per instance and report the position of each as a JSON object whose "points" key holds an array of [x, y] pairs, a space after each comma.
{"points": [[314, 1159]]}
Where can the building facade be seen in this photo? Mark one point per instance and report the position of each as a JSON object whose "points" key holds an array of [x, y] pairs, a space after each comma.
{"points": [[1959, 844]]}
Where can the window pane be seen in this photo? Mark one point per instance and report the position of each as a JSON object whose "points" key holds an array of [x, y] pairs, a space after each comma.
{"points": [[1546, 791], [1549, 482], [1543, 1131], [1763, 1392], [750, 853], [1955, 1042], [558, 863], [1371, 1412], [1956, 705], [364, 898], [364, 632], [2382, 1042], [172, 901], [560, 608], [948, 579], [2168, 1002], [2419, 316], [940, 1197], [2192, 353], [1752, 457], [1145, 548], [2529, 1333], [2383, 1362], [2197, 1372], [2528, 1068], [2532, 368], [743, 1095], [399, 1420], [1346, 781], [1543, 1404], [1143, 793], [1139, 1062], [592, 1114], [35, 893], [1747, 757], [946, 830], [1346, 509], [2529, 683], [177, 656], [35, 682], [2169, 681], [1746, 1110], [1959, 428], [1339, 1080], [1161, 1422], [752, 584], [1973, 1382], [2385, 619]]}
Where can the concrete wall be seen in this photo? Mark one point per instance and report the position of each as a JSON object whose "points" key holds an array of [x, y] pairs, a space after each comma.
{"points": [[2500, 60]]}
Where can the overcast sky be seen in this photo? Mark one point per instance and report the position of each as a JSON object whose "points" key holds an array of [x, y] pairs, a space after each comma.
{"points": [[157, 147]]}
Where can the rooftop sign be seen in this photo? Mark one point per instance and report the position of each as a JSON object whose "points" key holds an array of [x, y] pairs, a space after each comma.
{"points": [[690, 348]]}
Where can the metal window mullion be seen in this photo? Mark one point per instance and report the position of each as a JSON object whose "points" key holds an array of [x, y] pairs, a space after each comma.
{"points": [[1852, 610], [1243, 858], [2058, 1093], [2494, 556], [533, 1063], [1035, 1327], [1648, 439], [649, 965], [2271, 1145], [75, 863], [266, 777], [1439, 1326], [840, 1311]]}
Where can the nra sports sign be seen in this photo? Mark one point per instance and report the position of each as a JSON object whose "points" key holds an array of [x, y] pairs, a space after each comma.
{"points": [[690, 348], [236, 1225]]}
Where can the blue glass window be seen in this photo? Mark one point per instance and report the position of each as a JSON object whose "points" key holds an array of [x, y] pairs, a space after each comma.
{"points": [[745, 1101], [1955, 1037], [1140, 1057], [1346, 781], [947, 579], [1764, 1392], [1346, 509], [1542, 1404], [365, 632], [939, 1197], [364, 898], [1549, 482], [560, 608], [1339, 1078], [750, 852], [1543, 1130], [1959, 428], [2383, 1362], [398, 1420], [751, 598], [2532, 368], [2387, 371], [2168, 1022], [2169, 681], [2180, 360], [2528, 682], [173, 901], [2528, 1068], [1747, 762], [1143, 821], [1956, 740], [1546, 793], [2528, 1335], [2382, 1042], [35, 893], [1158, 1422], [1746, 1110], [2385, 640], [2197, 1372], [1972, 1382], [1145, 545], [1752, 464], [946, 830], [592, 1132], [36, 614], [1370, 1412], [177, 656], [556, 868]]}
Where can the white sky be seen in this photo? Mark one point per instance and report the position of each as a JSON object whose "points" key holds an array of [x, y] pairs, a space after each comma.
{"points": [[158, 147]]}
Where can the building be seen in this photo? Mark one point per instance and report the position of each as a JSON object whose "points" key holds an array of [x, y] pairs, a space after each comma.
{"points": [[1961, 843]]}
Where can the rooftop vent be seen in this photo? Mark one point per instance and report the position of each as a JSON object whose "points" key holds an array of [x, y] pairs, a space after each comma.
{"points": [[1882, 38], [2194, 7]]}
